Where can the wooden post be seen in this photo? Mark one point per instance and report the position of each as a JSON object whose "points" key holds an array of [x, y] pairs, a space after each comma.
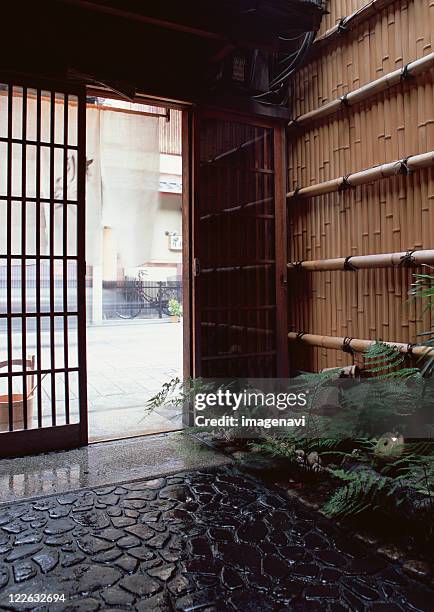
{"points": [[282, 366]]}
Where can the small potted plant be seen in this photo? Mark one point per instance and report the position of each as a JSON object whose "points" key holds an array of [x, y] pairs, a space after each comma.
{"points": [[175, 310]]}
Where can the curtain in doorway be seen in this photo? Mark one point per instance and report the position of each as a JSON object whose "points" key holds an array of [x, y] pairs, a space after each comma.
{"points": [[122, 185]]}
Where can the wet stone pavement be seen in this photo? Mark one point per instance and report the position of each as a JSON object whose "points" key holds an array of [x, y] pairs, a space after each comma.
{"points": [[207, 540]]}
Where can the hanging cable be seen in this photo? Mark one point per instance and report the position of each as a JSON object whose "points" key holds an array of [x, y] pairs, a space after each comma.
{"points": [[279, 84]]}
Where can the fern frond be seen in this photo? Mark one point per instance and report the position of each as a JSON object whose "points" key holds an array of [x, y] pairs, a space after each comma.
{"points": [[363, 490], [276, 447], [387, 361]]}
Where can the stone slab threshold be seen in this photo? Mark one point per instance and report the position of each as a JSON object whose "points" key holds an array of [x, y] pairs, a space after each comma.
{"points": [[104, 463]]}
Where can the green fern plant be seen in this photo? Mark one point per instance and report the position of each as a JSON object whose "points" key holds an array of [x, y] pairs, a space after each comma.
{"points": [[363, 490], [315, 386], [176, 395], [423, 289], [388, 398], [285, 446], [416, 466], [276, 447], [403, 487], [377, 406], [385, 361]]}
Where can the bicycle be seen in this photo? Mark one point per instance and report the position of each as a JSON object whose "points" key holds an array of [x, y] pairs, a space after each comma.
{"points": [[136, 298]]}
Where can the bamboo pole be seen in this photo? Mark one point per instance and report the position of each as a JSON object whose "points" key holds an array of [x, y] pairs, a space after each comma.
{"points": [[345, 24], [382, 217], [367, 91], [356, 344], [359, 262], [369, 175]]}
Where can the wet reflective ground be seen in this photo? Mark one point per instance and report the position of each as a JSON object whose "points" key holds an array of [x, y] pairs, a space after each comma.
{"points": [[103, 464], [206, 540]]}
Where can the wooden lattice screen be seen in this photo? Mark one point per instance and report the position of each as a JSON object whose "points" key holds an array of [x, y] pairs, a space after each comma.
{"points": [[235, 249], [42, 267]]}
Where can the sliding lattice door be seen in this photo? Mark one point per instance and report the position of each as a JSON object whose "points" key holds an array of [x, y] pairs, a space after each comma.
{"points": [[42, 267], [239, 260]]}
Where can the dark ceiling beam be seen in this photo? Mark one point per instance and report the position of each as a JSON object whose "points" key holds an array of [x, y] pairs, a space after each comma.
{"points": [[254, 29], [147, 19]]}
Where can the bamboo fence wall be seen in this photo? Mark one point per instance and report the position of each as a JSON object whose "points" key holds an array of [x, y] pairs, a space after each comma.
{"points": [[394, 214]]}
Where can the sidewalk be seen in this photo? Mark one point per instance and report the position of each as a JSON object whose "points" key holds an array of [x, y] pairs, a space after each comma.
{"points": [[128, 362]]}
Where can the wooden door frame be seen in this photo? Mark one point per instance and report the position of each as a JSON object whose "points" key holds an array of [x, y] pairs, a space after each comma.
{"points": [[188, 340], [71, 436], [187, 198], [191, 144], [281, 238]]}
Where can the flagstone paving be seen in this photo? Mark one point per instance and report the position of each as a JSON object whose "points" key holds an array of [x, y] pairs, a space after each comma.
{"points": [[206, 540]]}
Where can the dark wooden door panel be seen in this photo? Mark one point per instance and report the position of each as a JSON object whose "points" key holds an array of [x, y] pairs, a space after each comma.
{"points": [[236, 282]]}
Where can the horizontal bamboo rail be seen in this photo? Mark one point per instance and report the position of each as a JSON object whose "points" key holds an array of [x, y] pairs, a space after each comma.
{"points": [[369, 90], [402, 166], [363, 262], [356, 344], [348, 23]]}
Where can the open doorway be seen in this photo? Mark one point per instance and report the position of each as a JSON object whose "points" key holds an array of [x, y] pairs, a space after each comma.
{"points": [[133, 264]]}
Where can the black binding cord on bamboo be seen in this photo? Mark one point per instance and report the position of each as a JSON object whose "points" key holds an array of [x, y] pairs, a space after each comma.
{"points": [[348, 266], [410, 347], [344, 100], [345, 184], [346, 345], [341, 28], [347, 348], [404, 169], [405, 73], [408, 260]]}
